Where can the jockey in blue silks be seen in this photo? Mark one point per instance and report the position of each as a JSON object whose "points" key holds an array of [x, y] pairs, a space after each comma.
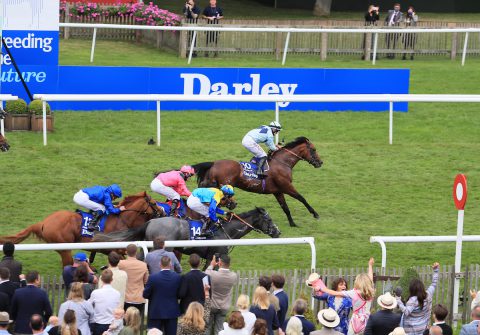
{"points": [[262, 134], [99, 200]]}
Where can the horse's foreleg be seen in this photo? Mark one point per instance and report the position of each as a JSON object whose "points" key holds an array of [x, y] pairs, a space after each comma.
{"points": [[294, 194], [91, 259], [283, 203]]}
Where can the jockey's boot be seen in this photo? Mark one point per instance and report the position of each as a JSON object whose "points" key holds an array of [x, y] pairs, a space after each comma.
{"points": [[174, 207], [260, 164], [93, 224], [207, 223]]}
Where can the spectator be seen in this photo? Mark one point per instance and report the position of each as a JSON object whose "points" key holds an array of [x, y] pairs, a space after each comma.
{"points": [[192, 285], [235, 325], [10, 263], [341, 305], [398, 331], [243, 304], [36, 325], [294, 326], [213, 15], [154, 331], [28, 301], [260, 327], [4, 323], [393, 19], [4, 302], [86, 279], [153, 258], [222, 282], [104, 301], [299, 308], [384, 321], [132, 322], [194, 322], [475, 299], [83, 309], [410, 39], [137, 276], [372, 16], [278, 281], [8, 287], [361, 295], [68, 325], [120, 277], [330, 320], [417, 310], [52, 322], [117, 324], [191, 12], [266, 282], [435, 330], [440, 313], [262, 309], [69, 271], [162, 292], [472, 327]]}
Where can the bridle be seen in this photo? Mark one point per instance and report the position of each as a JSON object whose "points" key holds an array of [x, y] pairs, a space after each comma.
{"points": [[312, 159], [152, 206]]}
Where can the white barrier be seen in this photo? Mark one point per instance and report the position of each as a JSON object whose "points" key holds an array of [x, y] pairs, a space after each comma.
{"points": [[5, 97], [195, 29], [275, 98]]}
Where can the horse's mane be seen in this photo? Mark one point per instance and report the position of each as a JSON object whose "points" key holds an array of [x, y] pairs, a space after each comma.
{"points": [[131, 198], [295, 142], [250, 212]]}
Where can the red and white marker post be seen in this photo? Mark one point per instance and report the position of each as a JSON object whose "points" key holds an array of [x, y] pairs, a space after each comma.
{"points": [[459, 198]]}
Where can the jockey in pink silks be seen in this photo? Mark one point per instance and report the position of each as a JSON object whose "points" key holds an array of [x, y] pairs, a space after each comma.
{"points": [[172, 185]]}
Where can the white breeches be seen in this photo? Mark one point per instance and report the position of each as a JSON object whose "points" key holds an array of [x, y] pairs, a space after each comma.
{"points": [[196, 205], [81, 198], [252, 146], [157, 186]]}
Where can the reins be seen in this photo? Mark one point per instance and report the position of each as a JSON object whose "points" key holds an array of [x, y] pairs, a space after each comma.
{"points": [[245, 223]]}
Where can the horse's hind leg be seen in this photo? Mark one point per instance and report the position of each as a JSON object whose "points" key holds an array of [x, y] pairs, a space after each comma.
{"points": [[283, 203], [91, 259], [66, 257]]}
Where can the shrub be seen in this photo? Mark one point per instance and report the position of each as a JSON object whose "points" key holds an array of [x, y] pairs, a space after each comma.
{"points": [[404, 282], [35, 107], [16, 106]]}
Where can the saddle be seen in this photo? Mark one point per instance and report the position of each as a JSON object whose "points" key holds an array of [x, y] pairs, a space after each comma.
{"points": [[181, 209], [86, 218], [249, 169]]}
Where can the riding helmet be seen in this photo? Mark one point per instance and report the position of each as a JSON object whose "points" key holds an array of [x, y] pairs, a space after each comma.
{"points": [[228, 190], [276, 125], [187, 169], [115, 190]]}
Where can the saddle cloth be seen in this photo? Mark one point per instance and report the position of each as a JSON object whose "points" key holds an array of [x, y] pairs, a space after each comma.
{"points": [[250, 168], [167, 207], [86, 218]]}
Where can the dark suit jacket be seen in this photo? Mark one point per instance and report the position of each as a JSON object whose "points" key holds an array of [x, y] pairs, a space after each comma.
{"points": [[446, 329], [191, 289], [162, 292], [14, 266], [4, 302], [26, 302], [382, 323], [283, 303], [398, 17]]}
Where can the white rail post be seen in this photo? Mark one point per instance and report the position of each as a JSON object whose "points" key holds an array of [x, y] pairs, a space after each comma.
{"points": [[194, 37], [464, 54], [390, 123], [92, 52], [458, 264], [2, 126], [375, 43], [285, 49], [44, 121], [158, 122], [277, 118]]}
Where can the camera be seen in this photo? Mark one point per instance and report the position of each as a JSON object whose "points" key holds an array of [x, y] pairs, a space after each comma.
{"points": [[217, 257]]}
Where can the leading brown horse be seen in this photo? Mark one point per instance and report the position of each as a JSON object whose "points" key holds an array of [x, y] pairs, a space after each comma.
{"points": [[279, 179], [64, 226]]}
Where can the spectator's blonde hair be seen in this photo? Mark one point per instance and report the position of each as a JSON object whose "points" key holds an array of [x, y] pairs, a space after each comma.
{"points": [[132, 319], [364, 285], [260, 298], [243, 302], [193, 317], [294, 326], [76, 292]]}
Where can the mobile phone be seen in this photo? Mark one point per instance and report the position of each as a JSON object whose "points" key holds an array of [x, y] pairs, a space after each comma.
{"points": [[217, 257]]}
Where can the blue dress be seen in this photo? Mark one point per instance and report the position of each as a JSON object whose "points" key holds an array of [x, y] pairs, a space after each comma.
{"points": [[343, 310]]}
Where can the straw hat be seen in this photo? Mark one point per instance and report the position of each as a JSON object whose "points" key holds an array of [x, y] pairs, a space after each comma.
{"points": [[312, 278], [398, 331], [4, 319], [329, 318], [387, 301]]}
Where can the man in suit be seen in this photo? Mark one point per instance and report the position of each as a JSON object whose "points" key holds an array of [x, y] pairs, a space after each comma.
{"points": [[278, 281], [8, 287], [393, 19], [28, 301], [384, 321], [162, 292], [329, 319], [299, 308], [440, 313], [9, 262], [472, 327], [192, 286], [153, 258]]}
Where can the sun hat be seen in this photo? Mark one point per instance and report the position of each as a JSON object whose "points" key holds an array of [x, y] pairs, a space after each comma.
{"points": [[312, 278], [329, 318], [398, 331], [5, 319], [387, 301], [80, 256]]}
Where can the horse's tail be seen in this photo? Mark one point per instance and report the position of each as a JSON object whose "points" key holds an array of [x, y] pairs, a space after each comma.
{"points": [[132, 234], [24, 234], [201, 170]]}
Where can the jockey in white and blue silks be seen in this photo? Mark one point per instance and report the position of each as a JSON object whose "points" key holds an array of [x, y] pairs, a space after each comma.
{"points": [[262, 134], [99, 200]]}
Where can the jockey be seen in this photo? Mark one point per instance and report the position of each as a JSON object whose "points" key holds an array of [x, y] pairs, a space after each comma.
{"points": [[172, 185], [99, 200], [262, 134], [207, 202]]}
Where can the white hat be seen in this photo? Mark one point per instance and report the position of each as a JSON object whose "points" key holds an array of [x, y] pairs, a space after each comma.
{"points": [[312, 278], [398, 331], [387, 301], [329, 318]]}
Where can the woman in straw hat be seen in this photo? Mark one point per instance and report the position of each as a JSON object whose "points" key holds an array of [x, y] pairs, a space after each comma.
{"points": [[329, 319]]}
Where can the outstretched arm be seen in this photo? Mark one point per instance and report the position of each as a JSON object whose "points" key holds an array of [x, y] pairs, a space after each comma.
{"points": [[370, 268]]}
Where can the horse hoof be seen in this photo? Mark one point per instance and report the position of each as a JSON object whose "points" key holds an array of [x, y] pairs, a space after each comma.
{"points": [[292, 224], [316, 216]]}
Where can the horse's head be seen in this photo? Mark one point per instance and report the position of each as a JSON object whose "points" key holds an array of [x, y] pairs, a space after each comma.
{"points": [[312, 155], [4, 146], [304, 149], [143, 204], [263, 222], [229, 202]]}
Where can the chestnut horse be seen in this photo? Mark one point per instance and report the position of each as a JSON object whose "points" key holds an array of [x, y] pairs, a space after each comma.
{"points": [[278, 181], [65, 226]]}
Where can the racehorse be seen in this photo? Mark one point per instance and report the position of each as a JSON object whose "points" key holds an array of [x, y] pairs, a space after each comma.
{"points": [[175, 229], [65, 226], [279, 179]]}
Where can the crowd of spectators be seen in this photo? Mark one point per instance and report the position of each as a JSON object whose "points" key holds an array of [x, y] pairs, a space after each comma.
{"points": [[200, 303]]}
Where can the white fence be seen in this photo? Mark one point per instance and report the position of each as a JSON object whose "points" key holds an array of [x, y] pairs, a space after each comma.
{"points": [[274, 98], [289, 31], [5, 97]]}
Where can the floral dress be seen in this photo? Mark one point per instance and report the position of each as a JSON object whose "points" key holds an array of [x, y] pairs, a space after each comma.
{"points": [[342, 305]]}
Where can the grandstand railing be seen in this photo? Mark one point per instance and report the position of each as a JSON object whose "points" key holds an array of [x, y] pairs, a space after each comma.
{"points": [[5, 97], [287, 30], [274, 98]]}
